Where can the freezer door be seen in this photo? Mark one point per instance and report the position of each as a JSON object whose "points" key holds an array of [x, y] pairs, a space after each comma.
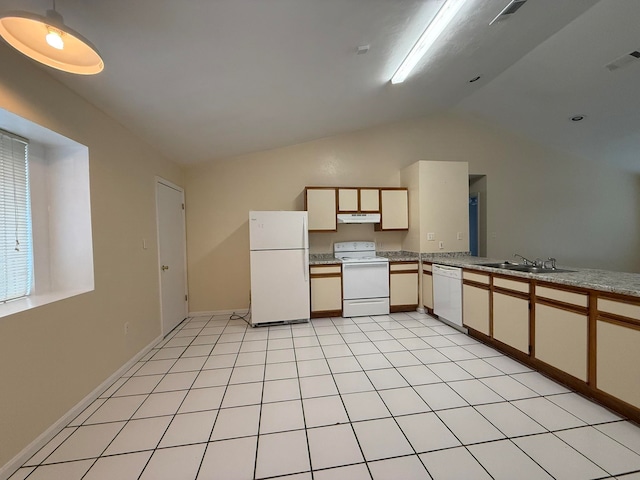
{"points": [[278, 230], [279, 286]]}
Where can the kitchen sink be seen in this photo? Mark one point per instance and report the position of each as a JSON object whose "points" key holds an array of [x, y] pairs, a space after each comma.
{"points": [[533, 269], [518, 267], [505, 264]]}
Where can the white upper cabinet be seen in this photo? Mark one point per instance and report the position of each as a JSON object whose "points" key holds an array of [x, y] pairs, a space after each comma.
{"points": [[320, 203], [394, 211]]}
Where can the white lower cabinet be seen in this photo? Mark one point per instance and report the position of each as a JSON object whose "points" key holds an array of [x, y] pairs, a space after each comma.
{"points": [[511, 321], [561, 339], [475, 308], [326, 290], [403, 286], [617, 351]]}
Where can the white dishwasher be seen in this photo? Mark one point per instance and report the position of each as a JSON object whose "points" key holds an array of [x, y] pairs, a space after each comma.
{"points": [[447, 294]]}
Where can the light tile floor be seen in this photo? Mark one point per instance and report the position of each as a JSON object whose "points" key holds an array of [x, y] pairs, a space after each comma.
{"points": [[388, 397]]}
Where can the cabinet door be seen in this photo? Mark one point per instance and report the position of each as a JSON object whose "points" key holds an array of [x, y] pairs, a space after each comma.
{"points": [[403, 288], [369, 200], [348, 200], [511, 321], [321, 207], [561, 339], [427, 291], [618, 360], [326, 294], [475, 308], [394, 209]]}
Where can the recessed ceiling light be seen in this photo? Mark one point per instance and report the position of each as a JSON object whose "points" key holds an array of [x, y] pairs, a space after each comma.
{"points": [[577, 118], [362, 49], [475, 79]]}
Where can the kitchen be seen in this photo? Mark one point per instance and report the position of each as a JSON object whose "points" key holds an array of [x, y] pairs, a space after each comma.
{"points": [[541, 201]]}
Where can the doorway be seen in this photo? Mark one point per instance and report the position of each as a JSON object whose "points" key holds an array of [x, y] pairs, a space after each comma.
{"points": [[474, 224], [478, 215], [172, 262]]}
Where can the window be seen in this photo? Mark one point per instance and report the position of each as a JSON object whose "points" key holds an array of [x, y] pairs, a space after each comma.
{"points": [[16, 254]]}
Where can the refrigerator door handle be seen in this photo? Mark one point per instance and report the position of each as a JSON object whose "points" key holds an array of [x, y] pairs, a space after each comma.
{"points": [[305, 232], [306, 265]]}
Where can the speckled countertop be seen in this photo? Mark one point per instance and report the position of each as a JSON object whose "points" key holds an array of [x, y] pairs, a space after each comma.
{"points": [[400, 256], [322, 259], [603, 280], [394, 256]]}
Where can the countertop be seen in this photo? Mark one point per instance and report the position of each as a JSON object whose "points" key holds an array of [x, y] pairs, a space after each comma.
{"points": [[602, 280], [393, 256]]}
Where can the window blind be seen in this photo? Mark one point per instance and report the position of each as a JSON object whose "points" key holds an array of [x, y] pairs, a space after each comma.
{"points": [[16, 254]]}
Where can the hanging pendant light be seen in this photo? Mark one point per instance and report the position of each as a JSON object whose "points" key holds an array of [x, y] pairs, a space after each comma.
{"points": [[49, 41]]}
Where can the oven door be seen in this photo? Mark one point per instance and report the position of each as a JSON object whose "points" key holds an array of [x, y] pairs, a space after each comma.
{"points": [[365, 280]]}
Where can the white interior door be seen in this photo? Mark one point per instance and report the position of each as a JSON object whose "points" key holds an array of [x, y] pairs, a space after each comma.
{"points": [[172, 254]]}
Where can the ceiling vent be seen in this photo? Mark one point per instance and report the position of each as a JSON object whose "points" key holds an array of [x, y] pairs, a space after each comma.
{"points": [[623, 61], [512, 7]]}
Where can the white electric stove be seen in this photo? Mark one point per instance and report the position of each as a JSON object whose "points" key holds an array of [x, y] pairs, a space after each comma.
{"points": [[365, 279]]}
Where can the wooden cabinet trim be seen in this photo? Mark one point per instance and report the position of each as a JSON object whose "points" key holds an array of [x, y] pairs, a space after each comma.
{"points": [[562, 305], [471, 283], [511, 293], [618, 320], [427, 272], [325, 275]]}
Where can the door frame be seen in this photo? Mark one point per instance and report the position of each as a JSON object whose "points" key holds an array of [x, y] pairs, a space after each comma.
{"points": [[162, 181]]}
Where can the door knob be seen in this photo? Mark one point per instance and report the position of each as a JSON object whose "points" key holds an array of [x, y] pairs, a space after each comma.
{"points": [[164, 267]]}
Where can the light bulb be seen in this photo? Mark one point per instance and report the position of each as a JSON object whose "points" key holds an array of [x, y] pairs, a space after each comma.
{"points": [[54, 38]]}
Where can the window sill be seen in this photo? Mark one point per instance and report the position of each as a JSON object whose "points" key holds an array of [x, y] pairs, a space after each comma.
{"points": [[33, 301]]}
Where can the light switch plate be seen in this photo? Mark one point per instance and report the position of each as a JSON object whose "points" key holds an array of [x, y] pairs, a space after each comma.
{"points": [[431, 236]]}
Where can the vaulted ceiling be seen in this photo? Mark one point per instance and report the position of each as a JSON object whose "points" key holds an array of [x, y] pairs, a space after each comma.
{"points": [[209, 79]]}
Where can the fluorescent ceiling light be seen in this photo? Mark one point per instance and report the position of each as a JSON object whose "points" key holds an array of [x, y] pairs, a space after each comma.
{"points": [[444, 16], [49, 41]]}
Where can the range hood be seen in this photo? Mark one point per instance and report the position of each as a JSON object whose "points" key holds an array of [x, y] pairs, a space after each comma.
{"points": [[358, 218]]}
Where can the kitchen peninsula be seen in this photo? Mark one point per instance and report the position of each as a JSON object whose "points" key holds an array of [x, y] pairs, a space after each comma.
{"points": [[581, 327]]}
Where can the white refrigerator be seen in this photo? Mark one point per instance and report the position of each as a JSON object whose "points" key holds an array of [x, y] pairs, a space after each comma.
{"points": [[279, 249]]}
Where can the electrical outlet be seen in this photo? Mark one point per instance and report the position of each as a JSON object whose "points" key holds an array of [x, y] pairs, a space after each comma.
{"points": [[431, 236], [459, 236], [126, 328], [441, 245]]}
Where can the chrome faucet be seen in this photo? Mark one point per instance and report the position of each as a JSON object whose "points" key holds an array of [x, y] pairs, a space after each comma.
{"points": [[552, 261], [525, 260]]}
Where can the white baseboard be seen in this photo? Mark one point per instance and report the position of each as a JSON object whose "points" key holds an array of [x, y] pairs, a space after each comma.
{"points": [[16, 462], [211, 313]]}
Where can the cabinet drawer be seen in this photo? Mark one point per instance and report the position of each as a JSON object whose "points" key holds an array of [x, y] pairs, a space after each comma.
{"points": [[403, 267], [522, 287], [476, 277], [325, 270], [574, 298], [629, 310], [427, 267]]}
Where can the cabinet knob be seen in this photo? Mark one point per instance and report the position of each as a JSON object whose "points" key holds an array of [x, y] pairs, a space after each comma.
{"points": [[164, 267]]}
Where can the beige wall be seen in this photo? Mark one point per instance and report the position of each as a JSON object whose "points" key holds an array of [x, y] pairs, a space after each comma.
{"points": [[539, 202], [440, 193], [52, 356]]}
